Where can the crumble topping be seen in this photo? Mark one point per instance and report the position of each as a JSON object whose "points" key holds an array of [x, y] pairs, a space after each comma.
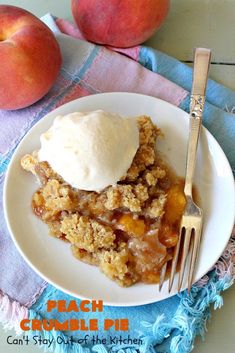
{"points": [[116, 265], [130, 197], [145, 155], [86, 233], [28, 163]]}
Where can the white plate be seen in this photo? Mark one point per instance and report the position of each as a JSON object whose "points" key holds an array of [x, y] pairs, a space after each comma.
{"points": [[52, 258]]}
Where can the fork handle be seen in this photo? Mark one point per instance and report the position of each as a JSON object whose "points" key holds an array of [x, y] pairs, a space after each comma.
{"points": [[202, 57]]}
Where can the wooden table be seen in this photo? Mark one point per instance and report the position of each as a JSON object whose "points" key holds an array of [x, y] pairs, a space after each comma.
{"points": [[190, 23]]}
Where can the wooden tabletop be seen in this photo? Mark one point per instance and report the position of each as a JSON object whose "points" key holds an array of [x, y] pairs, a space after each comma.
{"points": [[190, 23]]}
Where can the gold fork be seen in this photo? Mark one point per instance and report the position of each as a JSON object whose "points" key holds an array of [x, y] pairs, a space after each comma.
{"points": [[191, 222]]}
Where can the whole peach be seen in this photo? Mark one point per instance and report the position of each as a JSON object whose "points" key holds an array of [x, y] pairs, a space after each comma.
{"points": [[30, 58], [119, 23]]}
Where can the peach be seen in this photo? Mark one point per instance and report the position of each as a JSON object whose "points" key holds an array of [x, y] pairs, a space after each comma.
{"points": [[30, 58], [119, 23]]}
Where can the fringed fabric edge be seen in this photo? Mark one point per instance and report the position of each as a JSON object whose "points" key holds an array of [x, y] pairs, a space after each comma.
{"points": [[11, 313]]}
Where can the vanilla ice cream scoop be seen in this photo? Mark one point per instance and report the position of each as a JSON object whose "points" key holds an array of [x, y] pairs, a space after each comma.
{"points": [[92, 150]]}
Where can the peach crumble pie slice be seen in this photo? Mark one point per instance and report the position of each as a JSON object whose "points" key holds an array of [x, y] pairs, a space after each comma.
{"points": [[129, 230]]}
